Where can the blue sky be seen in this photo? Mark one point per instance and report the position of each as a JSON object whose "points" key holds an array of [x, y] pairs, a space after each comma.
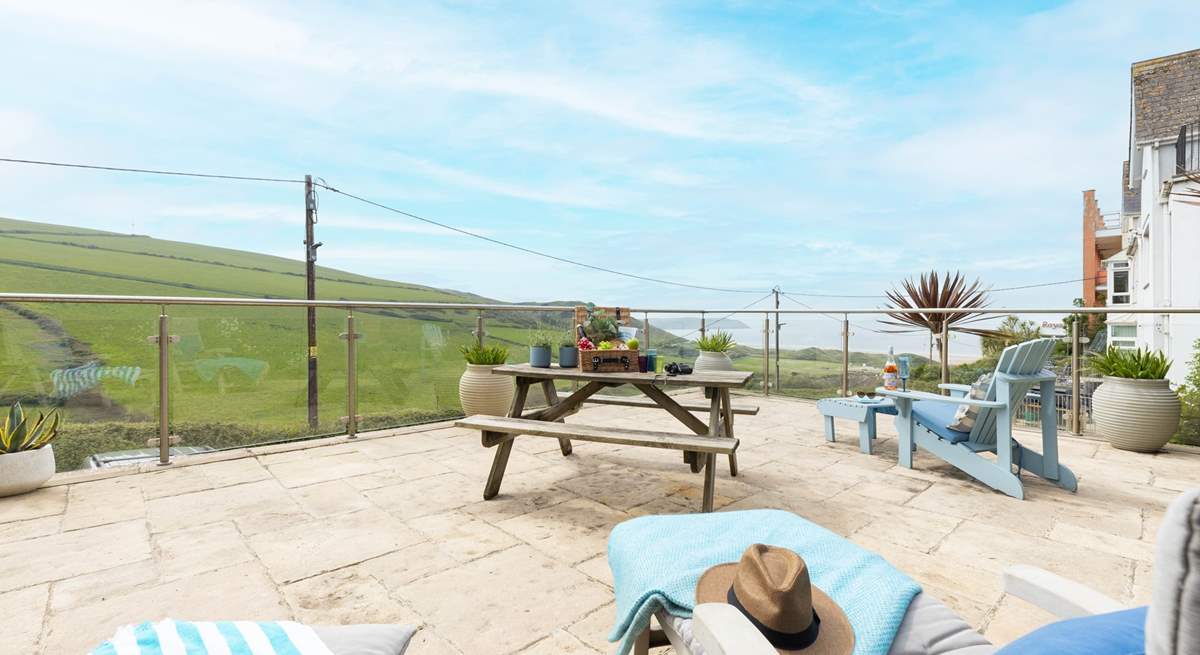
{"points": [[825, 147]]}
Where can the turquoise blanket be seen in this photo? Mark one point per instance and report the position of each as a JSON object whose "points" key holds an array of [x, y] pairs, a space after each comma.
{"points": [[657, 560]]}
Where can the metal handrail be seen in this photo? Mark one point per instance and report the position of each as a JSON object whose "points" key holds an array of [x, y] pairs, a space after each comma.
{"points": [[163, 338], [386, 304]]}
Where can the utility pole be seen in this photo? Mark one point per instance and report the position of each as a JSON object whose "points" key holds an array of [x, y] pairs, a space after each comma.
{"points": [[778, 378], [310, 275]]}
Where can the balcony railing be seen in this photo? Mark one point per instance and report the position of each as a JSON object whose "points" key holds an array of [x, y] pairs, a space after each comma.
{"points": [[232, 372]]}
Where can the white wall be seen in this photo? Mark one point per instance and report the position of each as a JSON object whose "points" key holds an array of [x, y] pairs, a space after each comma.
{"points": [[1165, 267], [1183, 225]]}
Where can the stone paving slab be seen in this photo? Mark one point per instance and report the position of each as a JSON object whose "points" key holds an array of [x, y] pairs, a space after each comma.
{"points": [[392, 527]]}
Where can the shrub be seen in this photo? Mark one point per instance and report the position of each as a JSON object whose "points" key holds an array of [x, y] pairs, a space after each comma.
{"points": [[718, 342], [1133, 364], [485, 355], [1012, 331], [1189, 393]]}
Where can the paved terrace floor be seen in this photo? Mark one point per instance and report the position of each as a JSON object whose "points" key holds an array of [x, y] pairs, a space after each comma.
{"points": [[394, 529]]}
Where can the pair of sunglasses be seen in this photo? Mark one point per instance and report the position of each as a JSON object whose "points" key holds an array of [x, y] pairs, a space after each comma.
{"points": [[865, 394]]}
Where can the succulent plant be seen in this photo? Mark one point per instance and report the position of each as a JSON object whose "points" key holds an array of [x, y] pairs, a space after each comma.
{"points": [[20, 434]]}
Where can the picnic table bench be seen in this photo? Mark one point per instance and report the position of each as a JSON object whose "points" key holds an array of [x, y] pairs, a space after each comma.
{"points": [[700, 446]]}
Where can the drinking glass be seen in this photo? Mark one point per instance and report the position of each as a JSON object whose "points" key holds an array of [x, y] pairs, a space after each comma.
{"points": [[903, 362]]}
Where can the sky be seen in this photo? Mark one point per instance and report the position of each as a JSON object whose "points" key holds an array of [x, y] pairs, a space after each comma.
{"points": [[824, 147]]}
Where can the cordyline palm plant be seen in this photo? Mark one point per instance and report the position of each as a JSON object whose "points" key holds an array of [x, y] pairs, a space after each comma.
{"points": [[932, 291]]}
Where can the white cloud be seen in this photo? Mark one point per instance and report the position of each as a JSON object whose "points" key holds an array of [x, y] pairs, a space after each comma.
{"points": [[696, 87]]}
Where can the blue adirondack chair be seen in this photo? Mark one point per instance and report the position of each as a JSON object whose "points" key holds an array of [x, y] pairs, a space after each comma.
{"points": [[923, 419]]}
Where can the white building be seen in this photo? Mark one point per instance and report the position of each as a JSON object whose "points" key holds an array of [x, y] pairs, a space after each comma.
{"points": [[1158, 263]]}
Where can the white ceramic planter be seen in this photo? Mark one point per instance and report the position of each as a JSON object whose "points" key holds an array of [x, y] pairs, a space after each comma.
{"points": [[710, 361], [481, 392], [25, 471], [1138, 415]]}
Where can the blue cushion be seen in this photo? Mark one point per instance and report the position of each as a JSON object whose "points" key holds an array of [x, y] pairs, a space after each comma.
{"points": [[936, 415], [1115, 633]]}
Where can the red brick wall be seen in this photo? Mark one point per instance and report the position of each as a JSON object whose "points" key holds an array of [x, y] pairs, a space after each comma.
{"points": [[1092, 268]]}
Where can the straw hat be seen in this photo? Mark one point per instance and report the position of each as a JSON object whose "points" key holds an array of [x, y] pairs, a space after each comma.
{"points": [[771, 587]]}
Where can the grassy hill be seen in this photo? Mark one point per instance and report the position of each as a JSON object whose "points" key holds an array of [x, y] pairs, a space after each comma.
{"points": [[238, 374]]}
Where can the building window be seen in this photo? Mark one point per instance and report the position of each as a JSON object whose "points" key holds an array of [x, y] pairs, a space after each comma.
{"points": [[1122, 336], [1118, 283]]}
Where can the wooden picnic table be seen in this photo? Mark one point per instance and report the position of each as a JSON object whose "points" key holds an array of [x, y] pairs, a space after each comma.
{"points": [[700, 445]]}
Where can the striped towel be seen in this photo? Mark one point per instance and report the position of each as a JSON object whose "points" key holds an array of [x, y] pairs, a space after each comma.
{"points": [[214, 638]]}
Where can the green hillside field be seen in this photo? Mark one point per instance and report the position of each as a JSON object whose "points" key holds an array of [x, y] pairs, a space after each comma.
{"points": [[238, 374]]}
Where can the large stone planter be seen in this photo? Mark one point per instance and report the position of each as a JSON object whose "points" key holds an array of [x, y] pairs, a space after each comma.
{"points": [[25, 471], [710, 361], [1138, 415], [481, 392]]}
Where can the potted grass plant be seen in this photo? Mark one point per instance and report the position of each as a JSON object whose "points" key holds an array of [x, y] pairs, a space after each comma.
{"points": [[540, 343], [568, 351], [1134, 407], [479, 391], [714, 352], [26, 455]]}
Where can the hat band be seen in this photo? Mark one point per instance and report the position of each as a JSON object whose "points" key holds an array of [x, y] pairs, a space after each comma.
{"points": [[785, 640]]}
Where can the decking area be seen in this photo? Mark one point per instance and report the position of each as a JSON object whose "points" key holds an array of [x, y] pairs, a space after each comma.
{"points": [[392, 528]]}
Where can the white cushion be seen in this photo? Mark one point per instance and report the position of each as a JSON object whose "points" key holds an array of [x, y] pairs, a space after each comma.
{"points": [[365, 638], [1173, 623]]}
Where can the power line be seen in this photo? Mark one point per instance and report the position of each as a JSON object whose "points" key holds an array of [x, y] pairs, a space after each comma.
{"points": [[831, 295], [1043, 284], [531, 251], [832, 317], [151, 171], [321, 184], [728, 316]]}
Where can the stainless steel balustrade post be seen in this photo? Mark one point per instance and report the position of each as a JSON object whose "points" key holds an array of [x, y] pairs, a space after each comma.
{"points": [[164, 387], [766, 354], [845, 355], [945, 355], [702, 325], [646, 324], [479, 331], [1076, 424], [351, 376]]}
